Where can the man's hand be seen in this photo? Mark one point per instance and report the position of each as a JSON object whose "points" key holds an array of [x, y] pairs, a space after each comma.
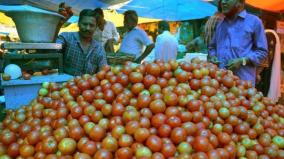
{"points": [[182, 42], [258, 78], [1, 53], [145, 53], [214, 60], [189, 46], [234, 64], [109, 45], [137, 60]]}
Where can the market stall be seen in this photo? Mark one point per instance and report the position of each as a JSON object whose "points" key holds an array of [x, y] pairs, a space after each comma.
{"points": [[153, 110], [186, 109], [37, 56]]}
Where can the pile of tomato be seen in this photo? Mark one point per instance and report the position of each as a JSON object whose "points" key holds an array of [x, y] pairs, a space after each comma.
{"points": [[186, 110]]}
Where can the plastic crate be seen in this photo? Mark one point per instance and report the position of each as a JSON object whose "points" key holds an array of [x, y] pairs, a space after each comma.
{"points": [[21, 92]]}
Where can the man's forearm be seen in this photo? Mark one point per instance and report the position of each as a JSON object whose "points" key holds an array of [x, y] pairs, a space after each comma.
{"points": [[147, 51], [256, 57]]}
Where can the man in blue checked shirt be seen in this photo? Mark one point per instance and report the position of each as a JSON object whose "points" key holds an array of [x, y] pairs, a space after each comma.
{"points": [[239, 43], [82, 54]]}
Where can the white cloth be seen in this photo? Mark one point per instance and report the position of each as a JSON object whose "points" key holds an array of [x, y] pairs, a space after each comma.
{"points": [[275, 80], [134, 42], [166, 47], [109, 32]]}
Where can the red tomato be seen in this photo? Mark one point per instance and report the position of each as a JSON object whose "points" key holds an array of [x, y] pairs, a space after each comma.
{"points": [[67, 146]]}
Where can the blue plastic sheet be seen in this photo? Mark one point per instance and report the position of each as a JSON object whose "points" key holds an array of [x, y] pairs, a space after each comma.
{"points": [[9, 8], [171, 10], [73, 19], [52, 5]]}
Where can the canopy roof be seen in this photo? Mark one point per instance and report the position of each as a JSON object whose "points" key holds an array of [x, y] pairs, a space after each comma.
{"points": [[269, 5], [116, 18], [110, 15], [77, 5], [171, 10]]}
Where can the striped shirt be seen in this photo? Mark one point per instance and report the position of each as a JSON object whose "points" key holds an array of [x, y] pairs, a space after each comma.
{"points": [[76, 61]]}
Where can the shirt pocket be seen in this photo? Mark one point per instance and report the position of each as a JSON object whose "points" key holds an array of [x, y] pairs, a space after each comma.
{"points": [[241, 37], [91, 64], [67, 58], [71, 57]]}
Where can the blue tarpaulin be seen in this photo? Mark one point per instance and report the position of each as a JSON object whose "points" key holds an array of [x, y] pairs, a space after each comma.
{"points": [[9, 8], [52, 5], [171, 10]]}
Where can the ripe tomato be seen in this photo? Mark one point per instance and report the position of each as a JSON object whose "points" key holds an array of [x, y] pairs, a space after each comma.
{"points": [[8, 137], [228, 81], [135, 77], [89, 95], [174, 121], [168, 150], [158, 120], [26, 150], [201, 143], [224, 138], [153, 69], [178, 135], [157, 106], [141, 134], [89, 147], [125, 140], [97, 133], [103, 154], [124, 152], [13, 150], [60, 133], [49, 145], [149, 80], [154, 143], [67, 146], [109, 143], [76, 132], [171, 99], [143, 101]]}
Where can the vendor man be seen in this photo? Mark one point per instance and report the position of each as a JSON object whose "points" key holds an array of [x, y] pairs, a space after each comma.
{"points": [[135, 39], [239, 43], [82, 54], [105, 31]]}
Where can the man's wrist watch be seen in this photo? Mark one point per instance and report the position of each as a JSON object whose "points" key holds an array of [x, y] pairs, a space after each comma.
{"points": [[244, 61]]}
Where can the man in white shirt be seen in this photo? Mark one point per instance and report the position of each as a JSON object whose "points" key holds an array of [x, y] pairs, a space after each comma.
{"points": [[166, 44], [105, 32], [135, 39]]}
